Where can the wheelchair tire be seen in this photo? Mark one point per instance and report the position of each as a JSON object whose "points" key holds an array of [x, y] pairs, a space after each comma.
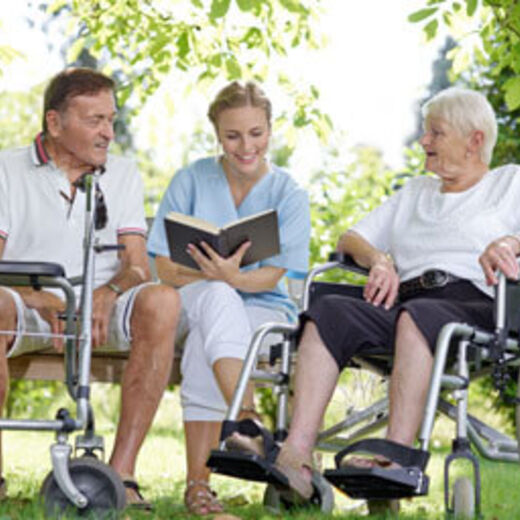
{"points": [[96, 480], [463, 498], [322, 499]]}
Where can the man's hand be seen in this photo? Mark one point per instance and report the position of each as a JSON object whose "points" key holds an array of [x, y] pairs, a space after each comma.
{"points": [[500, 255], [382, 285], [103, 302], [49, 306], [214, 266]]}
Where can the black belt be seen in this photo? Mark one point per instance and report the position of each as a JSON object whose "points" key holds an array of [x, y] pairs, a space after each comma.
{"points": [[430, 279]]}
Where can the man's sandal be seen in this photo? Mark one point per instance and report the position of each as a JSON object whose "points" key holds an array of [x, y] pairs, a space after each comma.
{"points": [[200, 499], [134, 498]]}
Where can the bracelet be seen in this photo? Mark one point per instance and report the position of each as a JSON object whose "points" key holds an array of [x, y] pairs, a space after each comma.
{"points": [[516, 238], [114, 287]]}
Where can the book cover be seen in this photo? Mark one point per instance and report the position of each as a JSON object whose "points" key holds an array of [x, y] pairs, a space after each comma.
{"points": [[261, 229]]}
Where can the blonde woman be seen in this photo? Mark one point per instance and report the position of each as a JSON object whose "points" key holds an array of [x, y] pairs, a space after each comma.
{"points": [[222, 303]]}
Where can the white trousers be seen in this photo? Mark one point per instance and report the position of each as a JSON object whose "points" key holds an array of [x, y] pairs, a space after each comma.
{"points": [[218, 325]]}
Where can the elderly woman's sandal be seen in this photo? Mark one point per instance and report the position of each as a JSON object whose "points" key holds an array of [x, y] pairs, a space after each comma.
{"points": [[298, 471], [253, 438], [200, 499]]}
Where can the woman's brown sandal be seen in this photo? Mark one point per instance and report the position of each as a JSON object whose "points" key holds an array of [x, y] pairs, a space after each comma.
{"points": [[200, 499]]}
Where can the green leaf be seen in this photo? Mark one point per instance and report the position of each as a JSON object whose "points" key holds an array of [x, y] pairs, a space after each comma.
{"points": [[422, 14], [294, 6], [219, 8], [233, 68], [56, 6], [75, 49], [246, 5], [471, 7], [431, 29], [512, 92], [183, 44]]}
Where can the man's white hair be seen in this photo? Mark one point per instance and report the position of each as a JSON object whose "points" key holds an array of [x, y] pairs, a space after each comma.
{"points": [[466, 110]]}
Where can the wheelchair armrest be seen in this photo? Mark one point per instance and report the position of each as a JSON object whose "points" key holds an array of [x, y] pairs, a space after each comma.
{"points": [[347, 262], [336, 260], [31, 269]]}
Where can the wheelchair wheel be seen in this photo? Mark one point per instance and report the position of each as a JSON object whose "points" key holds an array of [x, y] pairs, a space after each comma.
{"points": [[97, 481], [323, 498], [463, 498]]}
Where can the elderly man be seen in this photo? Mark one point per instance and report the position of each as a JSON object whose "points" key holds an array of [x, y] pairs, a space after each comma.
{"points": [[42, 219]]}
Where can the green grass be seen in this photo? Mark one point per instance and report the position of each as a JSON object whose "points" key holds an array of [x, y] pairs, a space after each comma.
{"points": [[161, 470]]}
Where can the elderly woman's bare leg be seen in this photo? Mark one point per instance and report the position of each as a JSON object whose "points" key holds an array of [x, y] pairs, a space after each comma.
{"points": [[315, 380], [409, 381]]}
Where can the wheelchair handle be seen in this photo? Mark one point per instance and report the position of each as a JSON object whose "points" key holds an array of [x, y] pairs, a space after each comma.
{"points": [[101, 248]]}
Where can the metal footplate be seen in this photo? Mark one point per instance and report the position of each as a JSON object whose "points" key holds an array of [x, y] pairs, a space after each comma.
{"points": [[380, 482], [246, 466]]}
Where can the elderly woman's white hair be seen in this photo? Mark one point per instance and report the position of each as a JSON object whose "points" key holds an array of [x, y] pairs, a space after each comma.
{"points": [[466, 110]]}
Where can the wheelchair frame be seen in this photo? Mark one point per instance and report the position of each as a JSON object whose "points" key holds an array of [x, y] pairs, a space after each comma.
{"points": [[62, 486], [489, 442]]}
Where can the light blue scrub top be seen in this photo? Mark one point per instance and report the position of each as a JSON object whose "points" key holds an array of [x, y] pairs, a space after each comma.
{"points": [[201, 190]]}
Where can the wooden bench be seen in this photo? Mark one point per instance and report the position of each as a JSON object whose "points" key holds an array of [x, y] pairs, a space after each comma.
{"points": [[106, 367]]}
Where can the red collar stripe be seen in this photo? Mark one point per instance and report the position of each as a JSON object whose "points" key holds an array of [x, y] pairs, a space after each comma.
{"points": [[41, 153]]}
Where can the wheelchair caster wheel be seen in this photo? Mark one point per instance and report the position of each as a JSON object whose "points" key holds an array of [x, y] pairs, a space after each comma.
{"points": [[97, 481], [383, 507], [322, 499], [463, 501], [272, 499]]}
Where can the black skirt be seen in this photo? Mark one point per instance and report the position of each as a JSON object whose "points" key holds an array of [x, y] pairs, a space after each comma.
{"points": [[350, 326]]}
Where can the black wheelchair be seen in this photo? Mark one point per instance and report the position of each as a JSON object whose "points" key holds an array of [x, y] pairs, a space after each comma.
{"points": [[81, 483], [477, 353]]}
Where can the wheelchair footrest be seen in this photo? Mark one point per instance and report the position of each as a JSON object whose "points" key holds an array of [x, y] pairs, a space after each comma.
{"points": [[246, 466], [379, 483], [381, 480]]}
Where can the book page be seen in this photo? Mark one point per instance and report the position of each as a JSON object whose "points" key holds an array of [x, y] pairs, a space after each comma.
{"points": [[193, 222]]}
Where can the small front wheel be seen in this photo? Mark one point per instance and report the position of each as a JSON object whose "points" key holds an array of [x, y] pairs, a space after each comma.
{"points": [[463, 503], [96, 480], [277, 501]]}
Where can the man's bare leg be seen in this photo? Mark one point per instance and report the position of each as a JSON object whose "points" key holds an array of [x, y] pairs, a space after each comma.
{"points": [[153, 325], [409, 382]]}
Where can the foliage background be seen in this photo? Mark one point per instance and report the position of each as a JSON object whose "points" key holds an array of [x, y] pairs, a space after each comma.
{"points": [[191, 46]]}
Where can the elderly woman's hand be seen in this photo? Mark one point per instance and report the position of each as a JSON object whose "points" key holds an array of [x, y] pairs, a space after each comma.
{"points": [[383, 283], [500, 255], [216, 267]]}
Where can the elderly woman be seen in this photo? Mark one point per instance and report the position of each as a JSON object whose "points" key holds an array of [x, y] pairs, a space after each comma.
{"points": [[442, 227]]}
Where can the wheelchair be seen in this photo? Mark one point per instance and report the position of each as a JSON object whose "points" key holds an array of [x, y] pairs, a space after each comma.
{"points": [[84, 484], [478, 353]]}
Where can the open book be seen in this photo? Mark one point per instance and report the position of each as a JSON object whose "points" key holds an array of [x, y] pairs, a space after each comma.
{"points": [[261, 229]]}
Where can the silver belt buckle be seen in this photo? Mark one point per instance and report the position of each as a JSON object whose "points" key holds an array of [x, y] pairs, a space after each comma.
{"points": [[433, 278]]}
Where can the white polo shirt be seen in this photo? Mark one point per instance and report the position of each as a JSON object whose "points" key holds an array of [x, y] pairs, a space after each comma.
{"points": [[39, 222]]}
